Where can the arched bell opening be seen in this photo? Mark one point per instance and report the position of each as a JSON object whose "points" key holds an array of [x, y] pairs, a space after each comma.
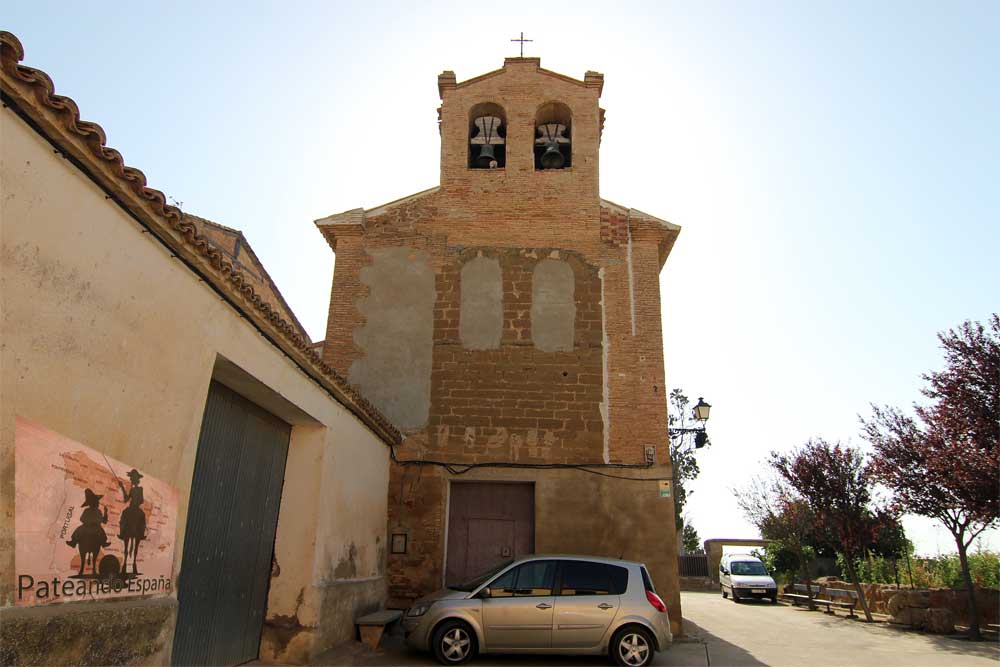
{"points": [[553, 136], [487, 136]]}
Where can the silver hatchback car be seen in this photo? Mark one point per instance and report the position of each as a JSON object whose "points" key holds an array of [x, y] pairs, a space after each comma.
{"points": [[545, 604]]}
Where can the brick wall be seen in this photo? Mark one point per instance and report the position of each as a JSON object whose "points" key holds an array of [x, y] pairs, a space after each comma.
{"points": [[516, 403], [603, 401]]}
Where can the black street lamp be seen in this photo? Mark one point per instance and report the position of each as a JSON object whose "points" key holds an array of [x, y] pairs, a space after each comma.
{"points": [[700, 412]]}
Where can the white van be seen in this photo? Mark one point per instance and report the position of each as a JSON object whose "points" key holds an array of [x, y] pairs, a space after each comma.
{"points": [[746, 577]]}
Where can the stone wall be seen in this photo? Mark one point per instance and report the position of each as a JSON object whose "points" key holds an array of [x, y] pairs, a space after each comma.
{"points": [[88, 633], [698, 584], [575, 512], [892, 601], [516, 402]]}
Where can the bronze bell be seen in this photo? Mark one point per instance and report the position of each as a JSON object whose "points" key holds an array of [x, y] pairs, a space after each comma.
{"points": [[487, 158], [552, 158], [552, 135]]}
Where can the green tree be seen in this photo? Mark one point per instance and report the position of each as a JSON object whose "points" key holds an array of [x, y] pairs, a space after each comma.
{"points": [[890, 542], [690, 539], [682, 458]]}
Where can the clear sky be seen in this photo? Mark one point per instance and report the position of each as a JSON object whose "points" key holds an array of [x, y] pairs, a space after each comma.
{"points": [[834, 167]]}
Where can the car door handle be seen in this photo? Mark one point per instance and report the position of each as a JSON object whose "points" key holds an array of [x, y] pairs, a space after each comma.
{"points": [[543, 605], [605, 605]]}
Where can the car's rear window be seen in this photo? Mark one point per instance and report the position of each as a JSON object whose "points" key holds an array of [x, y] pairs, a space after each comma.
{"points": [[586, 578], [646, 581]]}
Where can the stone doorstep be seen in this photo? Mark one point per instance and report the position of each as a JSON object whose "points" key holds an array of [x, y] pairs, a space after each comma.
{"points": [[371, 635], [372, 626]]}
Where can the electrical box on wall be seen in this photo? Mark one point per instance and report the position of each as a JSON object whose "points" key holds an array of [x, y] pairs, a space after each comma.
{"points": [[650, 454]]}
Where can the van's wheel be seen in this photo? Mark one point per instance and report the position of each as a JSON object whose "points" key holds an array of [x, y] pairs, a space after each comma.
{"points": [[736, 598], [454, 643], [632, 646], [725, 595]]}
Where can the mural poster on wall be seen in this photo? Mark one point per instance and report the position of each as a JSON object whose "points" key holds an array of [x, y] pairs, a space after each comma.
{"points": [[87, 527]]}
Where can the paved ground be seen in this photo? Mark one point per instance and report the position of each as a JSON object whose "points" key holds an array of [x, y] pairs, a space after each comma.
{"points": [[721, 633], [758, 633]]}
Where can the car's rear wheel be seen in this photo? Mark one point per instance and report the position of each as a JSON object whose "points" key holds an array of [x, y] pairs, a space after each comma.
{"points": [[454, 643], [632, 646]]}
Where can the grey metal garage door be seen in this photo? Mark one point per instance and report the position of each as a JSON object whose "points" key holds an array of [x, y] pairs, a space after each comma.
{"points": [[488, 523], [229, 540]]}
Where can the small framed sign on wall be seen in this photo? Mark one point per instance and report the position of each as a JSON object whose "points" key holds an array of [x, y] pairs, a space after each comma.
{"points": [[398, 543]]}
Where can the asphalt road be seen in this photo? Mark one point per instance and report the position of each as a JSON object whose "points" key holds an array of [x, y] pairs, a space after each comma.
{"points": [[721, 633]]}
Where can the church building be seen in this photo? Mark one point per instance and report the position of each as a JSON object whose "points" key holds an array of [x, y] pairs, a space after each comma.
{"points": [[508, 322]]}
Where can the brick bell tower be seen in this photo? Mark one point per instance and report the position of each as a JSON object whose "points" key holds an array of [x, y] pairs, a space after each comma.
{"points": [[508, 322]]}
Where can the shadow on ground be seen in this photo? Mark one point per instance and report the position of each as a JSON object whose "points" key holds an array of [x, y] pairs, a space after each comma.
{"points": [[718, 650], [955, 644], [704, 648], [699, 649], [394, 652]]}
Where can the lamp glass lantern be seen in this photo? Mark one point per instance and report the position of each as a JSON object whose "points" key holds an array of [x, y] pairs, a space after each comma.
{"points": [[702, 410]]}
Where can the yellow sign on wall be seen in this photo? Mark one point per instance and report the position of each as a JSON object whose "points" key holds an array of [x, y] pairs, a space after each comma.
{"points": [[664, 488]]}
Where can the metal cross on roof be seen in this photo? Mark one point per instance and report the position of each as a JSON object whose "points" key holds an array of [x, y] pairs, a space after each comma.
{"points": [[522, 40]]}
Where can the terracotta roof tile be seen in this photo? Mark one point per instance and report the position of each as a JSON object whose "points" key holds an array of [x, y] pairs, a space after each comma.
{"points": [[31, 93], [235, 244]]}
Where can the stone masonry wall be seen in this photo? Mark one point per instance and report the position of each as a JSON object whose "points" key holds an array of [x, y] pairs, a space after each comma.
{"points": [[516, 403], [602, 401]]}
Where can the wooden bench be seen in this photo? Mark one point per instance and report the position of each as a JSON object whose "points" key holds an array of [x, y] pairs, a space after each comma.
{"points": [[801, 594], [839, 597], [372, 626]]}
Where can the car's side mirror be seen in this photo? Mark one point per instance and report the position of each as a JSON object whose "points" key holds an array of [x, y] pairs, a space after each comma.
{"points": [[485, 593]]}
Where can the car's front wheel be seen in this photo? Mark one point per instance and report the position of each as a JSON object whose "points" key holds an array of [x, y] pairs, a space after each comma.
{"points": [[724, 593], [454, 643], [632, 647]]}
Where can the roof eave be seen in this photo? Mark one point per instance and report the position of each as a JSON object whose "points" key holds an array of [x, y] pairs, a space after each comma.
{"points": [[354, 221], [664, 232], [31, 94]]}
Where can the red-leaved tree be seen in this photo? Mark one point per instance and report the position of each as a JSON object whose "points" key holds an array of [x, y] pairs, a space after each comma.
{"points": [[835, 481], [785, 520], [946, 463]]}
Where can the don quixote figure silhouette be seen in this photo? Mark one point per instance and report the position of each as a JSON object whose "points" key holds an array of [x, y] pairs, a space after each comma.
{"points": [[89, 537], [132, 525]]}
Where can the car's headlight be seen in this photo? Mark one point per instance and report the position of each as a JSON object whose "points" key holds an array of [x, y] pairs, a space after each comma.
{"points": [[419, 610]]}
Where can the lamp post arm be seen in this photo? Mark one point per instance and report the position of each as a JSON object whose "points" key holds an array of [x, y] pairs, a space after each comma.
{"points": [[672, 432]]}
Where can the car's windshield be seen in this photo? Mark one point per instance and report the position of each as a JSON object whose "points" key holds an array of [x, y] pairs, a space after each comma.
{"points": [[476, 582], [748, 567]]}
